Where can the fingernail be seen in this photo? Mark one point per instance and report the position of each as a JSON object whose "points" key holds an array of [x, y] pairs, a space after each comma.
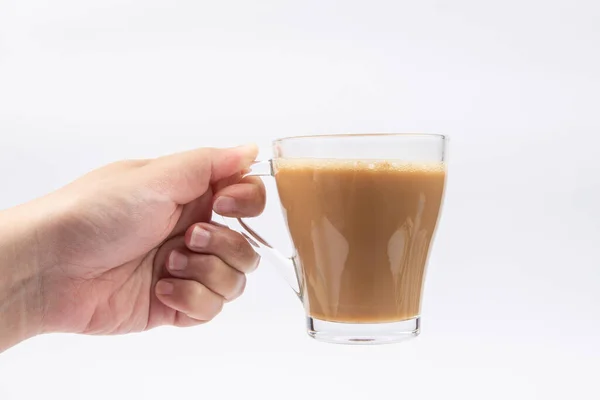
{"points": [[200, 237], [177, 261], [250, 151], [248, 146], [164, 288], [225, 205]]}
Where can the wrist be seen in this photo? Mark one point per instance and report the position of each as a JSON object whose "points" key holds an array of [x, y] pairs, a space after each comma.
{"points": [[21, 302]]}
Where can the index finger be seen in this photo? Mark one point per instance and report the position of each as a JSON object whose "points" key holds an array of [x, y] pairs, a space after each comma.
{"points": [[186, 176], [244, 199]]}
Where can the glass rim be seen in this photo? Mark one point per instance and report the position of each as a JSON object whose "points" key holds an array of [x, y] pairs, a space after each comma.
{"points": [[362, 135]]}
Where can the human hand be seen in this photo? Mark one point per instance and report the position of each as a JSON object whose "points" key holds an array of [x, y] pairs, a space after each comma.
{"points": [[131, 246]]}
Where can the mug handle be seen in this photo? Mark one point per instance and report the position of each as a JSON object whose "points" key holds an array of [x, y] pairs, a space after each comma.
{"points": [[287, 266]]}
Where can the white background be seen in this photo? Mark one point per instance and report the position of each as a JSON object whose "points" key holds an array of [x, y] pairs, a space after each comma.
{"points": [[512, 300]]}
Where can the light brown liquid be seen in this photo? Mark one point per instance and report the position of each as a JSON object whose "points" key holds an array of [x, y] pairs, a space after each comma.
{"points": [[362, 232]]}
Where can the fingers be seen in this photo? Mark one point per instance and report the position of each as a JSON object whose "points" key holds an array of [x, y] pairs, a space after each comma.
{"points": [[190, 298], [208, 269], [202, 270], [228, 245], [245, 199], [186, 176]]}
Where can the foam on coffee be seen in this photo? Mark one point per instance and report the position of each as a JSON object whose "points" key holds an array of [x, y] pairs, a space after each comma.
{"points": [[360, 165]]}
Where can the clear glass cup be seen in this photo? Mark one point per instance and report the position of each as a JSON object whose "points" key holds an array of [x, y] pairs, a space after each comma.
{"points": [[362, 211]]}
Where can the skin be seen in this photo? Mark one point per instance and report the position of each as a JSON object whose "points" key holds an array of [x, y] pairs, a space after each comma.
{"points": [[129, 247]]}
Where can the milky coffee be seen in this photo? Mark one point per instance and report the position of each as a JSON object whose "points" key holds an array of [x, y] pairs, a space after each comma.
{"points": [[362, 231]]}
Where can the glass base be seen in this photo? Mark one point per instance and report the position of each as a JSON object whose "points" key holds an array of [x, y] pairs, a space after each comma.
{"points": [[349, 333]]}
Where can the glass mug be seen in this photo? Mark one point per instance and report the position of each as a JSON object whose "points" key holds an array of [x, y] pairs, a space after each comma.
{"points": [[362, 211]]}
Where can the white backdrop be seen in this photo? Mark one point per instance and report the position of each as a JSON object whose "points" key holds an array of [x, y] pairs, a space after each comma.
{"points": [[513, 291]]}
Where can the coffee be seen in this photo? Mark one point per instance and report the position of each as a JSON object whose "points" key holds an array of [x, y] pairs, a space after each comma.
{"points": [[362, 232]]}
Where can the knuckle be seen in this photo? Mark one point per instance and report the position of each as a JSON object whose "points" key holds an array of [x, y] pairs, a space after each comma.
{"points": [[215, 309], [188, 300], [210, 264], [196, 294], [237, 288], [203, 304], [255, 262], [258, 198], [239, 245], [262, 195], [220, 304], [200, 293]]}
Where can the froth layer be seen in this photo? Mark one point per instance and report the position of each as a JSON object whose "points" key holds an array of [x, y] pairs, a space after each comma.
{"points": [[358, 165]]}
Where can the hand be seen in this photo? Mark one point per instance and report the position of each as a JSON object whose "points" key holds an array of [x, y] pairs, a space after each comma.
{"points": [[131, 246]]}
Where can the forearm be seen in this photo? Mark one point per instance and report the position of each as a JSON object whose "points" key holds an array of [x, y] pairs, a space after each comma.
{"points": [[21, 302]]}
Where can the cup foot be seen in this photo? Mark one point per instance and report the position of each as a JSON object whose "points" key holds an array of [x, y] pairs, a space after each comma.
{"points": [[356, 333]]}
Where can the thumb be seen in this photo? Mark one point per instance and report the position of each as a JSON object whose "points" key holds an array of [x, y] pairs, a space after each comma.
{"points": [[185, 176]]}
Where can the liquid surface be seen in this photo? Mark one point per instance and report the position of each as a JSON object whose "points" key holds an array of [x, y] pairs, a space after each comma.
{"points": [[362, 232]]}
